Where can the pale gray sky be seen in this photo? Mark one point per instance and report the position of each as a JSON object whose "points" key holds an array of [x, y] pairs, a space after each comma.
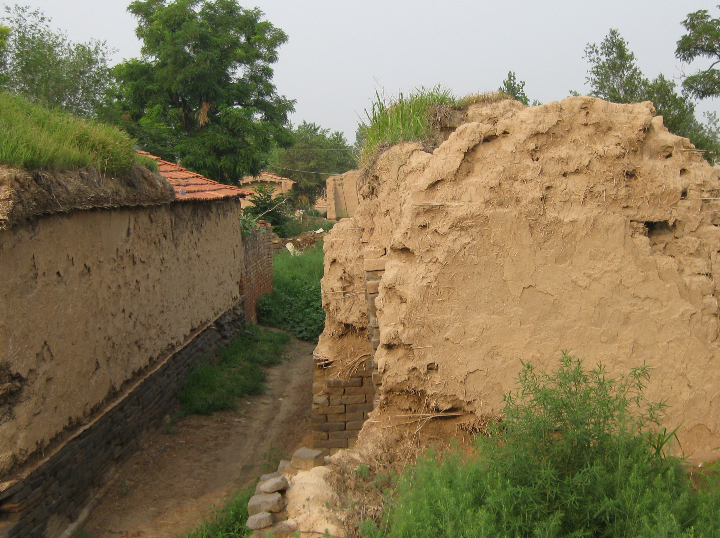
{"points": [[340, 52]]}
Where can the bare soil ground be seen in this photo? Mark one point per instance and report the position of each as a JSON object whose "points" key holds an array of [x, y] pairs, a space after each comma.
{"points": [[182, 471]]}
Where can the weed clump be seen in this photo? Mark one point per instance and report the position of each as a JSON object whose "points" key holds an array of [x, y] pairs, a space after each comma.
{"points": [[577, 454], [34, 137], [296, 301], [238, 372]]}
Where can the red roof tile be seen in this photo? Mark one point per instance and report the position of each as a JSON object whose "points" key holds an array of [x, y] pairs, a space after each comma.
{"points": [[190, 186]]}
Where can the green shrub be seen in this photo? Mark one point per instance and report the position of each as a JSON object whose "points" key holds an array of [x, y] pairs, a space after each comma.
{"points": [[577, 454], [228, 521], [296, 301], [33, 137], [238, 372]]}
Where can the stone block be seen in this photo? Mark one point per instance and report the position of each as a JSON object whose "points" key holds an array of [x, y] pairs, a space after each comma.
{"points": [[367, 388], [320, 436], [320, 400], [282, 465], [352, 417], [329, 427], [337, 418], [318, 419], [374, 264], [372, 286], [359, 408], [333, 410], [344, 435], [332, 443], [307, 458], [337, 383], [278, 483], [261, 520], [355, 425], [263, 502]]}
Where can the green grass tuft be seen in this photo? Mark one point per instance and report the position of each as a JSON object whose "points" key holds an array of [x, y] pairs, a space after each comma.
{"points": [[578, 454], [296, 301], [228, 521], [407, 118], [34, 137], [238, 372]]}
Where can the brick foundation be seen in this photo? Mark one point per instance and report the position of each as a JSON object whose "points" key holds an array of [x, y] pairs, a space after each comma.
{"points": [[46, 499]]}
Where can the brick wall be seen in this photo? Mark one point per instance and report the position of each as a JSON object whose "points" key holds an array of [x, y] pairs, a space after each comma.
{"points": [[45, 500], [341, 406], [257, 271]]}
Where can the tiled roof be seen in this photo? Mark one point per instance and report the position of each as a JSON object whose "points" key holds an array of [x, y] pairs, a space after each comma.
{"points": [[265, 176], [190, 186]]}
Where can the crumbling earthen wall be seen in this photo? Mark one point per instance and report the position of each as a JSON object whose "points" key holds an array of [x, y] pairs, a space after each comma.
{"points": [[342, 195], [93, 298], [578, 225]]}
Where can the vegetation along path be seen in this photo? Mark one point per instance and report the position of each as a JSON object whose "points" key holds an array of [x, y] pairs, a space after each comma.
{"points": [[172, 483]]}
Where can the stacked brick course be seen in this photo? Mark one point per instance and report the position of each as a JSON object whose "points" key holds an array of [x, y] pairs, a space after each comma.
{"points": [[257, 275], [341, 407], [60, 487]]}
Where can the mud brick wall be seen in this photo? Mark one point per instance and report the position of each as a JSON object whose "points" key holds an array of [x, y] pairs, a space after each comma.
{"points": [[341, 406], [45, 500], [257, 277]]}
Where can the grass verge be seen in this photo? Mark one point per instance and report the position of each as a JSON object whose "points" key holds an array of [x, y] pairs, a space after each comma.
{"points": [[296, 301], [578, 454], [33, 137], [238, 372], [227, 521]]}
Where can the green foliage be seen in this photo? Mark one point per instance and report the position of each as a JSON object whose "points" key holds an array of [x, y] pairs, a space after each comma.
{"points": [[514, 88], [701, 41], [31, 136], [576, 455], [314, 154], [271, 459], [228, 521], [46, 67], [237, 372], [403, 119], [203, 92], [615, 76], [273, 209], [296, 301]]}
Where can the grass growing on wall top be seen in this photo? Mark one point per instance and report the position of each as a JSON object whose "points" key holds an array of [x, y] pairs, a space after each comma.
{"points": [[296, 301], [238, 372], [412, 118], [578, 454], [32, 136]]}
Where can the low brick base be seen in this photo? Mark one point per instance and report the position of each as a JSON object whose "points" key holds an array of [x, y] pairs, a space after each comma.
{"points": [[58, 489]]}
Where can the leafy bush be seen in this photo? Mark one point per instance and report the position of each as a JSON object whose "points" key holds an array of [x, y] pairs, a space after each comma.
{"points": [[577, 454], [237, 372], [32, 136], [296, 301]]}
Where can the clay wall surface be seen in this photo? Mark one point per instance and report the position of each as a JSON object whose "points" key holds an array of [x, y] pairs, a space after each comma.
{"points": [[93, 298], [578, 225], [342, 195], [51, 496]]}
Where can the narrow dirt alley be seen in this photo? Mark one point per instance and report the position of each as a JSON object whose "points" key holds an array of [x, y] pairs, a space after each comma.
{"points": [[181, 471]]}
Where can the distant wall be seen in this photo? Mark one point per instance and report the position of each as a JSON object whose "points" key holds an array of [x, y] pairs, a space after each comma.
{"points": [[257, 268], [92, 299], [342, 195]]}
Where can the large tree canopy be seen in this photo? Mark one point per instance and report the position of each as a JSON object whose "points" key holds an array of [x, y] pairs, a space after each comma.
{"points": [[202, 91], [615, 76], [701, 41], [45, 66], [315, 154]]}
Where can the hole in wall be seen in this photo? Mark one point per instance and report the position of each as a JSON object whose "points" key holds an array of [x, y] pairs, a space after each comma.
{"points": [[683, 194], [683, 172]]}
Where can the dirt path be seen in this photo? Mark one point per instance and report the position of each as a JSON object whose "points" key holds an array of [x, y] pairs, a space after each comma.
{"points": [[168, 486]]}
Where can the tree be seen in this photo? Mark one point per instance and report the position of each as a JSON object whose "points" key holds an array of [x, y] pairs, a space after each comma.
{"points": [[202, 92], [701, 41], [615, 76], [315, 154], [45, 66], [514, 88]]}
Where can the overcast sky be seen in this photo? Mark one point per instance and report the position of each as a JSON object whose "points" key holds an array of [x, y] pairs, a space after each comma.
{"points": [[339, 52]]}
